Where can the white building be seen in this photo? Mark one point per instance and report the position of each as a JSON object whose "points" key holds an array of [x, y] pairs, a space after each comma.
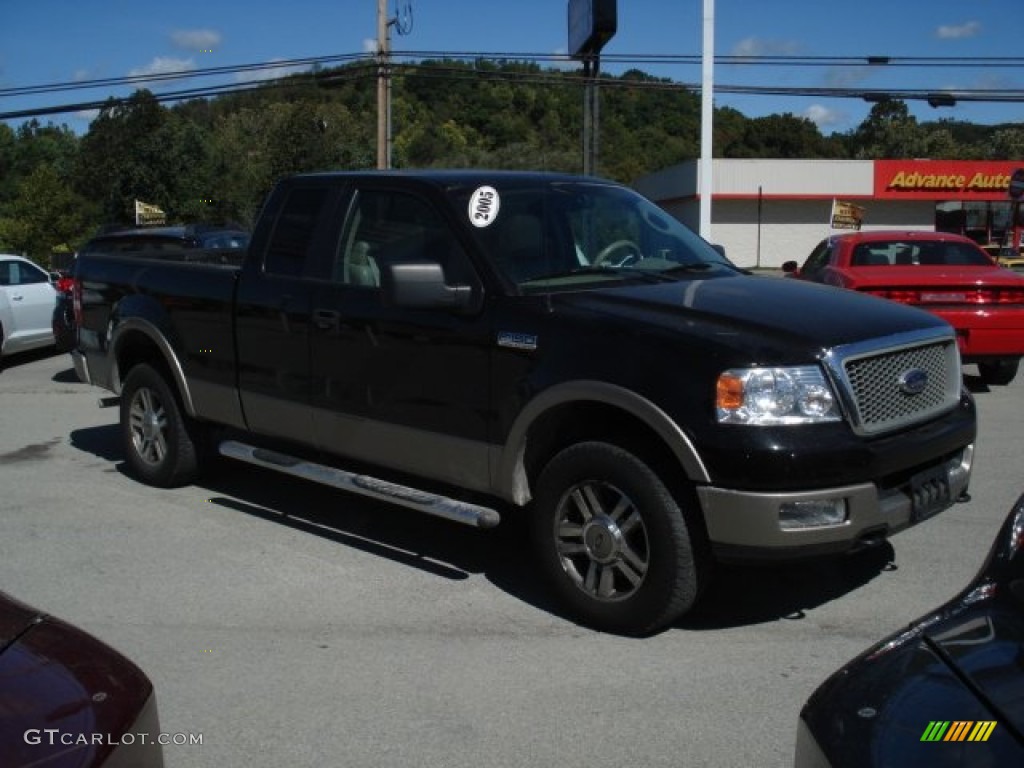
{"points": [[765, 212]]}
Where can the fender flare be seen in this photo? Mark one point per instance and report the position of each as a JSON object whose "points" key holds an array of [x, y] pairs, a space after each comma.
{"points": [[131, 325], [511, 481]]}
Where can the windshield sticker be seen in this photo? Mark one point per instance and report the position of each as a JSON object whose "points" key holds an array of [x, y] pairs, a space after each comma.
{"points": [[483, 206]]}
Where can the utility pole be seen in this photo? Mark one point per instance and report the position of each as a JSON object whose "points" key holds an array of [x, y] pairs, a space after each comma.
{"points": [[591, 114], [383, 86], [707, 97]]}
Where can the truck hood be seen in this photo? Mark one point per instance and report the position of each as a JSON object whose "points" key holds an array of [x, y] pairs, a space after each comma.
{"points": [[792, 311]]}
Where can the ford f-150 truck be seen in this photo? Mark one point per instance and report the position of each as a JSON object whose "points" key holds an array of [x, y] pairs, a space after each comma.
{"points": [[475, 343]]}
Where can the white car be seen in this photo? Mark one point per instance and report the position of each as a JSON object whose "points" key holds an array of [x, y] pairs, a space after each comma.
{"points": [[27, 300]]}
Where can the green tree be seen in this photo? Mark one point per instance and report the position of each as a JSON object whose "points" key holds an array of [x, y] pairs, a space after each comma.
{"points": [[24, 149], [45, 216], [138, 150], [781, 136], [1008, 144], [889, 132]]}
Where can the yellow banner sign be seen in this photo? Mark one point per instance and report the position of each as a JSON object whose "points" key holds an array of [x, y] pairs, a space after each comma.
{"points": [[147, 214], [846, 215]]}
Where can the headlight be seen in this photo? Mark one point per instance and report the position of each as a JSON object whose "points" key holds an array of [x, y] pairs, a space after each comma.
{"points": [[773, 396]]}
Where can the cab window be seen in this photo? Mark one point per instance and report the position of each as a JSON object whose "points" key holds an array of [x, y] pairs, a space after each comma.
{"points": [[387, 227]]}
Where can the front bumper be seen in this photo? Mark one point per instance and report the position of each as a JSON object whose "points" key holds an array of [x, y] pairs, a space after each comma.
{"points": [[745, 525]]}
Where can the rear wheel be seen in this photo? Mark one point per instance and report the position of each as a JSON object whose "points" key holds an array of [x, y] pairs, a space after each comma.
{"points": [[160, 443], [999, 372], [612, 540]]}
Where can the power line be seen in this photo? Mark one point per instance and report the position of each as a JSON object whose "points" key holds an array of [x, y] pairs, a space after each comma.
{"points": [[551, 77], [532, 57]]}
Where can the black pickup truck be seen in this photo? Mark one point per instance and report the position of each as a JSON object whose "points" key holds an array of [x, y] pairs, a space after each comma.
{"points": [[473, 343]]}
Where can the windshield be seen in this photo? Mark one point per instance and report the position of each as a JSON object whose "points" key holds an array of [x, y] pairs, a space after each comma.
{"points": [[564, 235]]}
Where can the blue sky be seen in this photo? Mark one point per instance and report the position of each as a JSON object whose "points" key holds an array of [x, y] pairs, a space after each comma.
{"points": [[50, 41]]}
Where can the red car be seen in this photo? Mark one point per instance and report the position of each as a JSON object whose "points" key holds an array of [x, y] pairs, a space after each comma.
{"points": [[943, 273]]}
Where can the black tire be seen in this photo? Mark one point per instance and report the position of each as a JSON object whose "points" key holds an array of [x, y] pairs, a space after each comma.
{"points": [[998, 372], [613, 541], [160, 443]]}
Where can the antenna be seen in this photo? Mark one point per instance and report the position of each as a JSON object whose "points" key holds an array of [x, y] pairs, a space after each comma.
{"points": [[403, 16]]}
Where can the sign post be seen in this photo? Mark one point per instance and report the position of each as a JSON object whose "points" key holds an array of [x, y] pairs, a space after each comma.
{"points": [[1015, 190], [592, 23]]}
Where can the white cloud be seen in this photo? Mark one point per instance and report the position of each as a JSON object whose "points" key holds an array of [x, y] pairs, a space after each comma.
{"points": [[847, 77], [163, 65], [823, 117], [369, 45], [198, 40], [757, 46], [957, 31]]}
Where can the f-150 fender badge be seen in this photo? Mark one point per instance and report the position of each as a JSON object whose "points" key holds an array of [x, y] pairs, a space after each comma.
{"points": [[514, 340], [483, 206]]}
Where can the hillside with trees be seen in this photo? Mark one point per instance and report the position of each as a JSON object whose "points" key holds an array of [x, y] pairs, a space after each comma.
{"points": [[214, 159]]}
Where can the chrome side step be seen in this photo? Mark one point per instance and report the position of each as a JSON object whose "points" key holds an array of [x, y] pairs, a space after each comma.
{"points": [[440, 506]]}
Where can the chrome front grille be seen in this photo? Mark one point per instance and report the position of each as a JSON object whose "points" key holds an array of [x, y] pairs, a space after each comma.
{"points": [[907, 380]]}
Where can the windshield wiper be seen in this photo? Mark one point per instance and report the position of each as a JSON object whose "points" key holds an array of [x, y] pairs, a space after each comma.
{"points": [[624, 272], [703, 266], [697, 266]]}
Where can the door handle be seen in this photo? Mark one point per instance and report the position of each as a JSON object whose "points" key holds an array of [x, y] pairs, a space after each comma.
{"points": [[326, 319]]}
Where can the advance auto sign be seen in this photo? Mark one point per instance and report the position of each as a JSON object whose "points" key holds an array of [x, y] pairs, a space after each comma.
{"points": [[942, 179]]}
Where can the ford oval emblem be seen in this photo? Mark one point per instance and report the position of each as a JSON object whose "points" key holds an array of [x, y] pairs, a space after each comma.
{"points": [[914, 381]]}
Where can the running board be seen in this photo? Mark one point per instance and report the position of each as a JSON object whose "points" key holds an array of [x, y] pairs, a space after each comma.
{"points": [[432, 504]]}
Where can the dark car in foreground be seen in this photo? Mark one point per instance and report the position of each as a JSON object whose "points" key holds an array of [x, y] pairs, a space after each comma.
{"points": [[947, 691], [946, 274], [68, 700]]}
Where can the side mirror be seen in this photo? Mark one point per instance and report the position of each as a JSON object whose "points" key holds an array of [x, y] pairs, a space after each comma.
{"points": [[720, 248], [790, 267], [421, 285]]}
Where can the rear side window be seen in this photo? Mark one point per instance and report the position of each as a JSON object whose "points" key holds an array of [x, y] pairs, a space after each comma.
{"points": [[20, 273], [292, 239], [819, 257]]}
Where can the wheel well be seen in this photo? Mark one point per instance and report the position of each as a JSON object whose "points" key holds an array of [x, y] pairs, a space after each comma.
{"points": [[136, 348], [564, 425]]}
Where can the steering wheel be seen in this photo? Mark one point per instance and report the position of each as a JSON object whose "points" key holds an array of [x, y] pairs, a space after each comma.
{"points": [[605, 255]]}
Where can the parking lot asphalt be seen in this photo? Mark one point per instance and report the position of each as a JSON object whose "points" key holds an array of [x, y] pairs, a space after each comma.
{"points": [[289, 624]]}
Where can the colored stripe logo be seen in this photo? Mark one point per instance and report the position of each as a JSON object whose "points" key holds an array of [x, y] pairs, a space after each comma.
{"points": [[958, 730]]}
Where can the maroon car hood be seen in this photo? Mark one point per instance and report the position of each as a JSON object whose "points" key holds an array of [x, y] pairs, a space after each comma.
{"points": [[55, 676], [15, 618]]}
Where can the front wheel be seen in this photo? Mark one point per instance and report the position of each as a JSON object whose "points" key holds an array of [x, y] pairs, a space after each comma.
{"points": [[159, 441], [999, 372], [613, 542]]}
